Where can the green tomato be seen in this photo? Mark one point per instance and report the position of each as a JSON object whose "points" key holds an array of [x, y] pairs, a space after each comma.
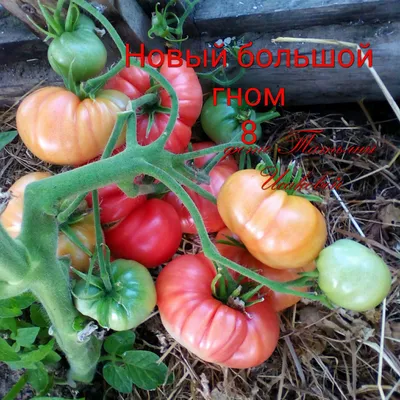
{"points": [[129, 303], [353, 276], [223, 122], [81, 48]]}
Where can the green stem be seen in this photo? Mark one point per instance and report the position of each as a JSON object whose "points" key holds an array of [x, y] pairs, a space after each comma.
{"points": [[13, 393], [263, 117], [72, 237], [104, 273]]}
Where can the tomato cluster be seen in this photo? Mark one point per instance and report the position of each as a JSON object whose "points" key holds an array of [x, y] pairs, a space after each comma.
{"points": [[217, 314]]}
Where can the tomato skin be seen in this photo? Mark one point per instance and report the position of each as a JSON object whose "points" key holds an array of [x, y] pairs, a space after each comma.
{"points": [[222, 122], [131, 301], [208, 328], [281, 231], [353, 276], [82, 50], [115, 204], [83, 126], [134, 82], [150, 235], [241, 256], [208, 210], [12, 216]]}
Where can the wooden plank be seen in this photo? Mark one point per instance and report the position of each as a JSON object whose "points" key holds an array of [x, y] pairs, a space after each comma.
{"points": [[334, 85], [231, 17], [17, 42]]}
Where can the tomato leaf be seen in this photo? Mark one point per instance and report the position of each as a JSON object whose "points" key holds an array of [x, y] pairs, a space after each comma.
{"points": [[12, 307], [29, 360], [38, 378], [38, 316], [117, 377], [6, 138], [8, 324], [26, 336], [120, 342], [7, 354], [144, 370], [51, 358]]}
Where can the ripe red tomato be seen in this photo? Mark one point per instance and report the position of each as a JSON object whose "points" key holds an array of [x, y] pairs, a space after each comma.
{"points": [[115, 204], [241, 256], [134, 82], [208, 328], [209, 211], [150, 235]]}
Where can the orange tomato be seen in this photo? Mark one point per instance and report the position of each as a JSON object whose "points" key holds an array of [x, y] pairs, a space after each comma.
{"points": [[279, 230], [84, 229], [59, 128], [241, 256]]}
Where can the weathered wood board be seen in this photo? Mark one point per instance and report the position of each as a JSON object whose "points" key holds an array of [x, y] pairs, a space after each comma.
{"points": [[329, 85], [231, 17]]}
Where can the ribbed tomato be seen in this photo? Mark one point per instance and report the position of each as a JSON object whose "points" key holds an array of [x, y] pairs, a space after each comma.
{"points": [[281, 231], [134, 82], [209, 211], [84, 229], [59, 128], [208, 328], [241, 256]]}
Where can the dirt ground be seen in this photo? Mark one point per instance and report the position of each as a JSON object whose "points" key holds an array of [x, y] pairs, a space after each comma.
{"points": [[322, 354]]}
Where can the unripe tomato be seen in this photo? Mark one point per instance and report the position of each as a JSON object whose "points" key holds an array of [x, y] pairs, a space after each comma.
{"points": [[281, 231], [280, 301], [212, 330], [12, 217], [80, 50], [130, 302], [59, 128], [353, 276]]}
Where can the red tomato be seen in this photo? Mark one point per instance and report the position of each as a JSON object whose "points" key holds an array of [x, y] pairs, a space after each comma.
{"points": [[207, 327], [241, 256], [134, 82], [150, 235], [209, 211]]}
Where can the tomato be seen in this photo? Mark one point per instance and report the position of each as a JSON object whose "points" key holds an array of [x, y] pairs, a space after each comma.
{"points": [[281, 231], [222, 122], [134, 82], [115, 204], [130, 302], [353, 276], [208, 210], [150, 235], [59, 128], [82, 50], [241, 256], [84, 229], [204, 325]]}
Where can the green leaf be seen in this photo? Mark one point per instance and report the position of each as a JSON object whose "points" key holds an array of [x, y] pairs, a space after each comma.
{"points": [[8, 324], [7, 354], [39, 316], [6, 138], [12, 307], [120, 342], [117, 377], [144, 370], [51, 358], [39, 377], [26, 336], [28, 360]]}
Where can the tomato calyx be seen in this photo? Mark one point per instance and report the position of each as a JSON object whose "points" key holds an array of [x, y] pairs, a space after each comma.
{"points": [[234, 293]]}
